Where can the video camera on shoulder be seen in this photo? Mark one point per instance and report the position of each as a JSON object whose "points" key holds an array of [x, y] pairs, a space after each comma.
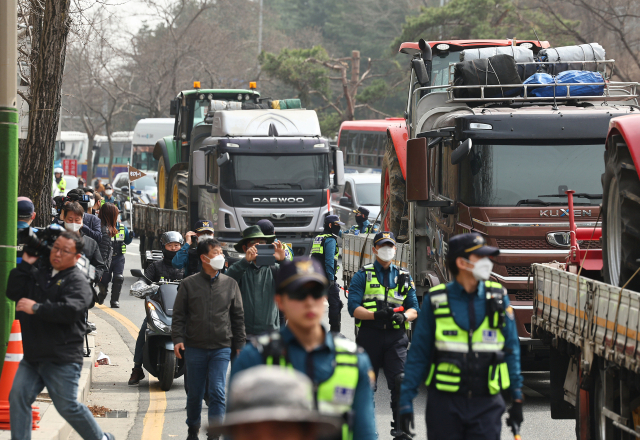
{"points": [[38, 242], [87, 269], [79, 197]]}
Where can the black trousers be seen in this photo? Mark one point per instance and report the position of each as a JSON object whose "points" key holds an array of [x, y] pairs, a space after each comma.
{"points": [[335, 306], [457, 417], [387, 349]]}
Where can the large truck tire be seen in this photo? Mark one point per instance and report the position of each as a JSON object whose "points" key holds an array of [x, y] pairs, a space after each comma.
{"points": [[394, 189], [163, 175], [620, 216], [178, 196]]}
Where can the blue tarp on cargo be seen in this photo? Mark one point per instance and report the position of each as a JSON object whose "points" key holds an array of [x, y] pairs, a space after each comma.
{"points": [[567, 77]]}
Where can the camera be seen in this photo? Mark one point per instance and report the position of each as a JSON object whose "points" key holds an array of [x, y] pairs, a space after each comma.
{"points": [[38, 242], [266, 255]]}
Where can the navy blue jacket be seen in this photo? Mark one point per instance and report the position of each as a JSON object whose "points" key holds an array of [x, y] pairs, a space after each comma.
{"points": [[387, 278], [92, 227], [322, 360], [418, 362]]}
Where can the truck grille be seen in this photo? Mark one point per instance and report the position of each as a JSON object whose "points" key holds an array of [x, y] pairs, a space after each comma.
{"points": [[287, 222], [539, 244], [518, 271], [523, 295]]}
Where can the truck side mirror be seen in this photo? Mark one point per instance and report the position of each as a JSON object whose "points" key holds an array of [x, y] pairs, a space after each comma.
{"points": [[417, 170], [461, 152], [199, 169], [338, 165], [421, 71], [174, 107], [346, 201], [224, 158]]}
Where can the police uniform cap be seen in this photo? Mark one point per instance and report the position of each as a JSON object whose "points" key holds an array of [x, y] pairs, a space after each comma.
{"points": [[383, 237], [299, 271], [266, 226], [471, 243], [25, 207], [362, 210], [203, 225], [332, 219]]}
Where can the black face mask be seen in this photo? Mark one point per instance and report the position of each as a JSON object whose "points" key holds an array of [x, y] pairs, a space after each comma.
{"points": [[335, 230], [360, 219], [168, 255]]}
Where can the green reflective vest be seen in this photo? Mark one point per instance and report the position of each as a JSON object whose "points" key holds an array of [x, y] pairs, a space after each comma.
{"points": [[335, 395], [62, 185], [288, 252], [118, 240], [375, 292], [317, 251], [469, 362]]}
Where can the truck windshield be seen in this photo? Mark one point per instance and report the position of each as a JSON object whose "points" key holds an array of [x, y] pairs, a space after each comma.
{"points": [[368, 194], [503, 175], [276, 172], [440, 67]]}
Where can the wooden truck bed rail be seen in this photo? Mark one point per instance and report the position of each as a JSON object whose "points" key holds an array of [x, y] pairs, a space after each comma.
{"points": [[599, 318], [149, 220]]}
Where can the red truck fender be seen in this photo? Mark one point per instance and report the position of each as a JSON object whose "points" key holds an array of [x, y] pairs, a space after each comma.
{"points": [[629, 128], [398, 135]]}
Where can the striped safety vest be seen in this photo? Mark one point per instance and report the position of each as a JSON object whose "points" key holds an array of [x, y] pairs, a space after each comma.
{"points": [[334, 396], [118, 240], [469, 362], [317, 251], [375, 291]]}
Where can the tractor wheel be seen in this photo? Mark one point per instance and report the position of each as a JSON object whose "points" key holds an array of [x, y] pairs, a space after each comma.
{"points": [[620, 216], [163, 174], [178, 197], [394, 189]]}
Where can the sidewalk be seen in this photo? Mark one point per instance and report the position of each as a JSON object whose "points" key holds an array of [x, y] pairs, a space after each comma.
{"points": [[52, 426]]}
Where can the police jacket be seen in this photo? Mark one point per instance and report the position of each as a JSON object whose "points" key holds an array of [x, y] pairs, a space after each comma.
{"points": [[329, 243], [119, 245], [55, 333], [258, 288], [418, 363], [163, 268], [208, 313], [92, 227], [318, 365], [387, 278]]}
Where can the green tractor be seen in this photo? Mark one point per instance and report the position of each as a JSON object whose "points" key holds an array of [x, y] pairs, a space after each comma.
{"points": [[172, 152]]}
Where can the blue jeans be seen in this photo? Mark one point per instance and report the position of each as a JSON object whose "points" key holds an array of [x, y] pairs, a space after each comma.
{"points": [[202, 364], [61, 381]]}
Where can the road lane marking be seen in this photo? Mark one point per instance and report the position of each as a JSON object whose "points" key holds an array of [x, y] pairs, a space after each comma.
{"points": [[153, 423]]}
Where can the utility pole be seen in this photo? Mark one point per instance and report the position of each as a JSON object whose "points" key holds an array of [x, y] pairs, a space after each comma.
{"points": [[9, 163]]}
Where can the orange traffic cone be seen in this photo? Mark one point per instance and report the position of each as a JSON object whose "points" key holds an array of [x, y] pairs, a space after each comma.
{"points": [[11, 361]]}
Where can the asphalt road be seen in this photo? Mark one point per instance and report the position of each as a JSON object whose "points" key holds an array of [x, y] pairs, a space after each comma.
{"points": [[537, 425]]}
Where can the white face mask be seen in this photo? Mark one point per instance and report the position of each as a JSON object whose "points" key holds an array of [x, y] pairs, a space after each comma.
{"points": [[92, 202], [205, 236], [108, 192], [217, 262], [482, 269], [73, 227], [386, 253]]}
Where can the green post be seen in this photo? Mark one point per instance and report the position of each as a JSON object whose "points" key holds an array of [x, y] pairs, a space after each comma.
{"points": [[8, 162]]}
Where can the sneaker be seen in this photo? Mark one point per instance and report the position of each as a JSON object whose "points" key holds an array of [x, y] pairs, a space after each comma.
{"points": [[136, 376], [115, 305]]}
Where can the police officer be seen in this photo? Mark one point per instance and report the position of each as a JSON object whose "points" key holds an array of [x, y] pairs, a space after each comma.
{"points": [[61, 184], [325, 250], [340, 370], [374, 292], [362, 220], [466, 349], [108, 196], [267, 228], [115, 274], [187, 257]]}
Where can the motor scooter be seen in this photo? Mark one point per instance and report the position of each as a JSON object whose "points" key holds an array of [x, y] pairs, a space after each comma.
{"points": [[159, 358]]}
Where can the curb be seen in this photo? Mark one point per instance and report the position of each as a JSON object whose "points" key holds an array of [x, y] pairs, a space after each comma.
{"points": [[52, 426]]}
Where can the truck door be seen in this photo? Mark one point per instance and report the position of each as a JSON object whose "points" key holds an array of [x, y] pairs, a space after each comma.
{"points": [[345, 210], [207, 208]]}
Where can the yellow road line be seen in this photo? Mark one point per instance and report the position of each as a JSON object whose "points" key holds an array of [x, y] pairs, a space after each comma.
{"points": [[154, 418]]}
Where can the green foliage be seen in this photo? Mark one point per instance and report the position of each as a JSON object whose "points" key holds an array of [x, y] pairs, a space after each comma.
{"points": [[329, 123], [484, 19], [376, 91], [291, 67]]}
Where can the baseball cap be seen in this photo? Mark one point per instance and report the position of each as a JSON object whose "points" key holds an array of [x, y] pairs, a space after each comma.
{"points": [[108, 186], [301, 270], [203, 225], [267, 393], [332, 219], [383, 237], [362, 210], [266, 226], [471, 243], [25, 207]]}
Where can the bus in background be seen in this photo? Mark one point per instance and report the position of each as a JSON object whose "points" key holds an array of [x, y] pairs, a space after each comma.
{"points": [[363, 144], [72, 145], [145, 135], [121, 141]]}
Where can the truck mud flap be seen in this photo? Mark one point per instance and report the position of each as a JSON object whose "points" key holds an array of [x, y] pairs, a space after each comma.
{"points": [[559, 365]]}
